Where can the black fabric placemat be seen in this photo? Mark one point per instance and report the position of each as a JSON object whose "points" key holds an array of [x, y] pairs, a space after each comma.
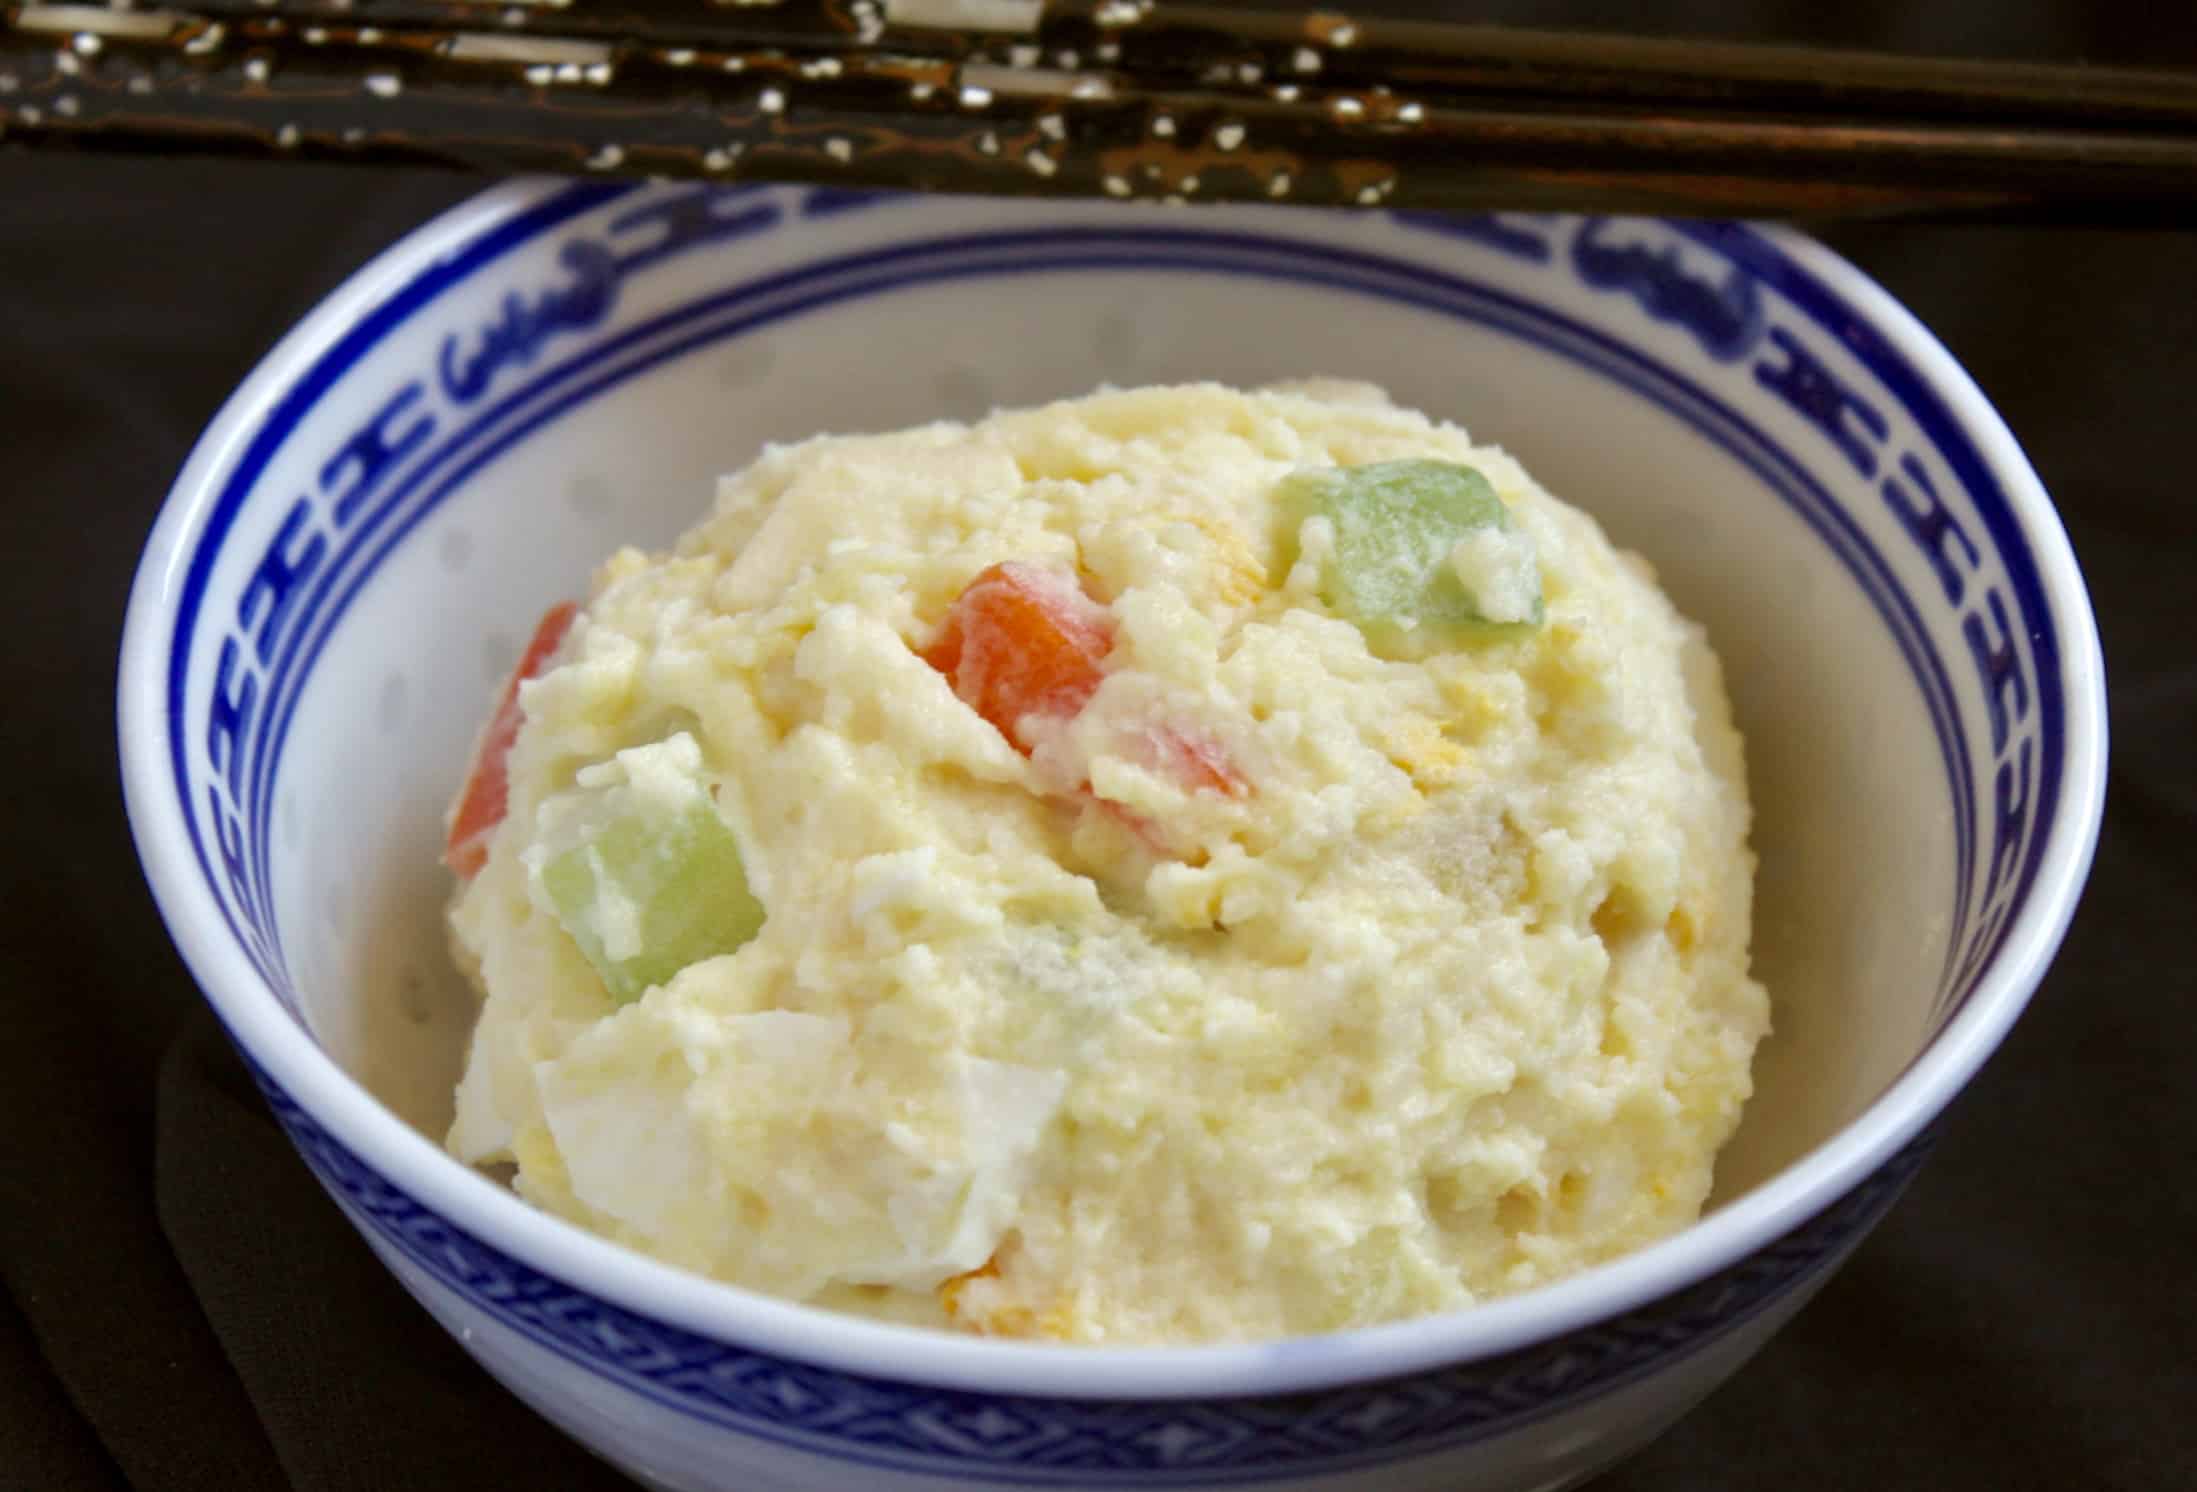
{"points": [[184, 1310]]}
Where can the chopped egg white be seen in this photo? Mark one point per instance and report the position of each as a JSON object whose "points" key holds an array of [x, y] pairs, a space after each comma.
{"points": [[1497, 568]]}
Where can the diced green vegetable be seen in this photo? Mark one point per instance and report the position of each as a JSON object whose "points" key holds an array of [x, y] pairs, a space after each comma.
{"points": [[641, 870], [1424, 554]]}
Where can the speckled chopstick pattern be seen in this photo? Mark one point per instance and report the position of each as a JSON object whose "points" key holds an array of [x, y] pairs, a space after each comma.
{"points": [[1109, 98]]}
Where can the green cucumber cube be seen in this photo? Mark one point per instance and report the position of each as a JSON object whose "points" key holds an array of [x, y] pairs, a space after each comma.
{"points": [[1424, 554], [640, 869]]}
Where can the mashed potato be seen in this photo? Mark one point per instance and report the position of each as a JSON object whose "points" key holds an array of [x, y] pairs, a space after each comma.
{"points": [[1272, 964]]}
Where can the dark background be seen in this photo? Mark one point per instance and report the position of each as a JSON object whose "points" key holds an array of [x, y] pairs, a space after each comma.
{"points": [[183, 1310]]}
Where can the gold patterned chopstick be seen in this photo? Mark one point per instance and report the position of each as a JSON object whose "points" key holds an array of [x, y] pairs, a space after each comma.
{"points": [[878, 93]]}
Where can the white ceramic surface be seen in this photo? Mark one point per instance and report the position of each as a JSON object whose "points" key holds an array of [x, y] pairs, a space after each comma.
{"points": [[455, 438]]}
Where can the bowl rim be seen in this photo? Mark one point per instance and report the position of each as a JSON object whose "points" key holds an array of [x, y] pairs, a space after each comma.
{"points": [[740, 1318]]}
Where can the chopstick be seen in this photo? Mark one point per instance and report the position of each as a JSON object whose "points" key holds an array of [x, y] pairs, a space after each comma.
{"points": [[1485, 62], [1110, 98], [1233, 45]]}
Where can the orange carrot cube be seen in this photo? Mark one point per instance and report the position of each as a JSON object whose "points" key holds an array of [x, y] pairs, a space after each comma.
{"points": [[480, 808], [1023, 641]]}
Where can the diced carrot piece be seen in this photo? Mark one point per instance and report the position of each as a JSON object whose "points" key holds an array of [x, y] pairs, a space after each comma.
{"points": [[480, 808], [1200, 763], [1195, 762], [1146, 832], [1020, 641]]}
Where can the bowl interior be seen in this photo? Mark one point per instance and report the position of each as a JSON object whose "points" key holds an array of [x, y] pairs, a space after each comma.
{"points": [[520, 419]]}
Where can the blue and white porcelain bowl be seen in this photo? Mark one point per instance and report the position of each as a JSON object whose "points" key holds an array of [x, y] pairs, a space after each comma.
{"points": [[455, 438]]}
